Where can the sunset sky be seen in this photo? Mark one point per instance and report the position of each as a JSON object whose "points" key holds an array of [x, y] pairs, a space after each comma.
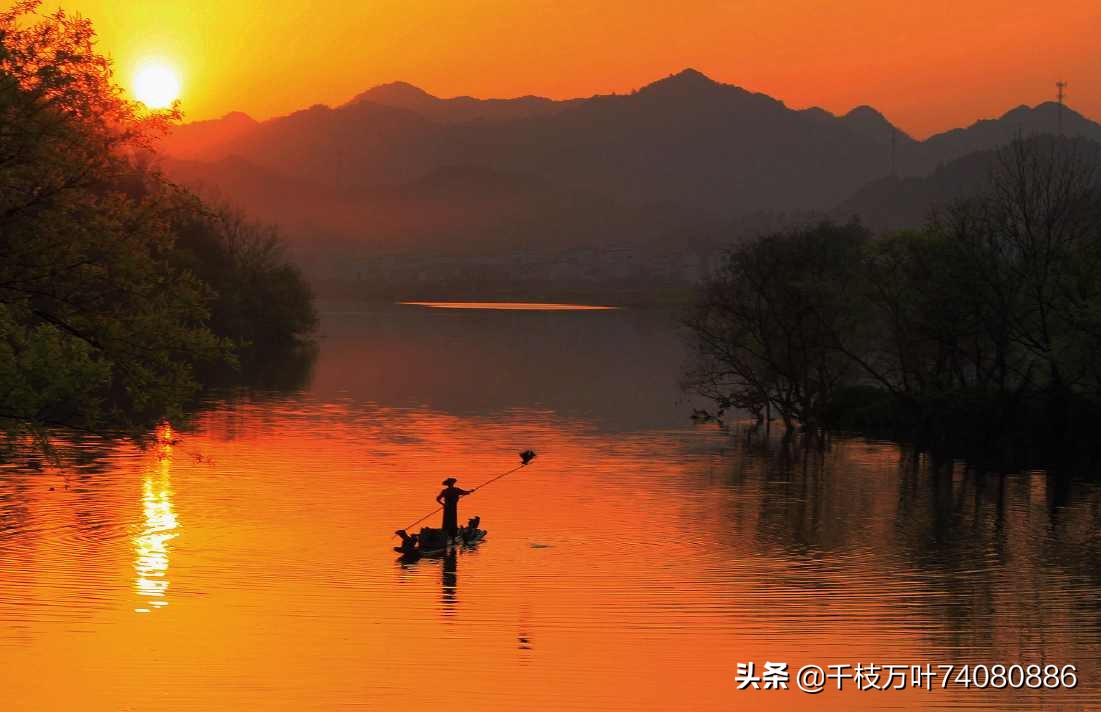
{"points": [[928, 66]]}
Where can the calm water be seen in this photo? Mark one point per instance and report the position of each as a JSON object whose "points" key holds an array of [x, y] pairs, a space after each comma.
{"points": [[631, 567]]}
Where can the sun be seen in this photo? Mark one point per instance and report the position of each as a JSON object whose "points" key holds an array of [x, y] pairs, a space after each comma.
{"points": [[156, 85]]}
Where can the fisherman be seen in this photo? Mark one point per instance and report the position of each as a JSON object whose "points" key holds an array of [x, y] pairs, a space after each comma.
{"points": [[449, 498]]}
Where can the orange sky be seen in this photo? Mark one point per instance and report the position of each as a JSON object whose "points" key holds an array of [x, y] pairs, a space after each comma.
{"points": [[928, 65]]}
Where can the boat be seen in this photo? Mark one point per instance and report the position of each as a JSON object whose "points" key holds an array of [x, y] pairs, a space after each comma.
{"points": [[430, 541]]}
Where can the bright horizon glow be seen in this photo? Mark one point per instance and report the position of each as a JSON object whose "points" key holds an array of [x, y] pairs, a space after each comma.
{"points": [[156, 84]]}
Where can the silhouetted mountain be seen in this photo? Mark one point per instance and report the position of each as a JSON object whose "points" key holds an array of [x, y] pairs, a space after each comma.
{"points": [[400, 95], [208, 140], [399, 169], [989, 133], [347, 148], [715, 148], [684, 85], [712, 147], [895, 203], [873, 125]]}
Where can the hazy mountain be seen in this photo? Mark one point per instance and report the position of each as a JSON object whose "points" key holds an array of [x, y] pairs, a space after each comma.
{"points": [[208, 140], [397, 169], [401, 95], [712, 147], [452, 210], [874, 126], [989, 133], [894, 203], [347, 148]]}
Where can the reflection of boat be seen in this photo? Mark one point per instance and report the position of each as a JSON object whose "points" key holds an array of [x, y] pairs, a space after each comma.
{"points": [[435, 542]]}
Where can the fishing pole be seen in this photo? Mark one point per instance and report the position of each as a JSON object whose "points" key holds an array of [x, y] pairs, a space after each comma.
{"points": [[525, 458]]}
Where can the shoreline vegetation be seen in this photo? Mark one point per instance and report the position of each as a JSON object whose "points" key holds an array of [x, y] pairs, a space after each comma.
{"points": [[122, 294], [978, 334]]}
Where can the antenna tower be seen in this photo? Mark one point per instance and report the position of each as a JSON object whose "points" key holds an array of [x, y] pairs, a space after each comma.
{"points": [[1060, 95]]}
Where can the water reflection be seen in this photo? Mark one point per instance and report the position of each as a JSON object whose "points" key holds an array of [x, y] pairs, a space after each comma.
{"points": [[1001, 561], [483, 362], [449, 581], [449, 575], [151, 551], [634, 566]]}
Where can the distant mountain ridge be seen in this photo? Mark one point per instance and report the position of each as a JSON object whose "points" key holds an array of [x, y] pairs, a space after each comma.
{"points": [[1022, 120], [401, 95], [713, 146], [897, 203], [398, 168], [207, 139]]}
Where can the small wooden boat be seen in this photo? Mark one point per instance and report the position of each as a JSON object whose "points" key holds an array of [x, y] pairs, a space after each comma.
{"points": [[434, 542]]}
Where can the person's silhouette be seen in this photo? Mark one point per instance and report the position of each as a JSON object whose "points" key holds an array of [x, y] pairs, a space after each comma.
{"points": [[449, 498]]}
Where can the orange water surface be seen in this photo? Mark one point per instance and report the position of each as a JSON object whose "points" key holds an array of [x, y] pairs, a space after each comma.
{"points": [[246, 564]]}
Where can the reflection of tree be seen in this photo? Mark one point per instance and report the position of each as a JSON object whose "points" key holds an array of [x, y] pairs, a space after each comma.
{"points": [[15, 504], [950, 522], [282, 370], [1008, 548], [977, 560], [799, 509], [284, 373], [80, 454]]}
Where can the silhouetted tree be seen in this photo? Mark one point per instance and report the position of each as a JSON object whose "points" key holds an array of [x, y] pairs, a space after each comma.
{"points": [[1032, 245], [102, 319], [261, 300], [93, 323], [769, 326], [988, 320]]}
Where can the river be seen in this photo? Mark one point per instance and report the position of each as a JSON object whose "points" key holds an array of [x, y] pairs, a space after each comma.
{"points": [[245, 562]]}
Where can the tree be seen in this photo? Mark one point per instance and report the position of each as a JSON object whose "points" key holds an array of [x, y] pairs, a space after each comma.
{"points": [[1038, 232], [772, 327], [260, 299], [104, 312], [988, 321]]}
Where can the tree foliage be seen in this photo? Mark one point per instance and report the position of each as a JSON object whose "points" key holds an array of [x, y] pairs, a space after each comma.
{"points": [[261, 299], [988, 316], [103, 319], [765, 328]]}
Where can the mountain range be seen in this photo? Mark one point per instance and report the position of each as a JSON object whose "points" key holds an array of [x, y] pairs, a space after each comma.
{"points": [[398, 170]]}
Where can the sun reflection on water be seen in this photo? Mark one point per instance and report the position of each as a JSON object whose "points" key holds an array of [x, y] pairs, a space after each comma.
{"points": [[160, 527]]}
